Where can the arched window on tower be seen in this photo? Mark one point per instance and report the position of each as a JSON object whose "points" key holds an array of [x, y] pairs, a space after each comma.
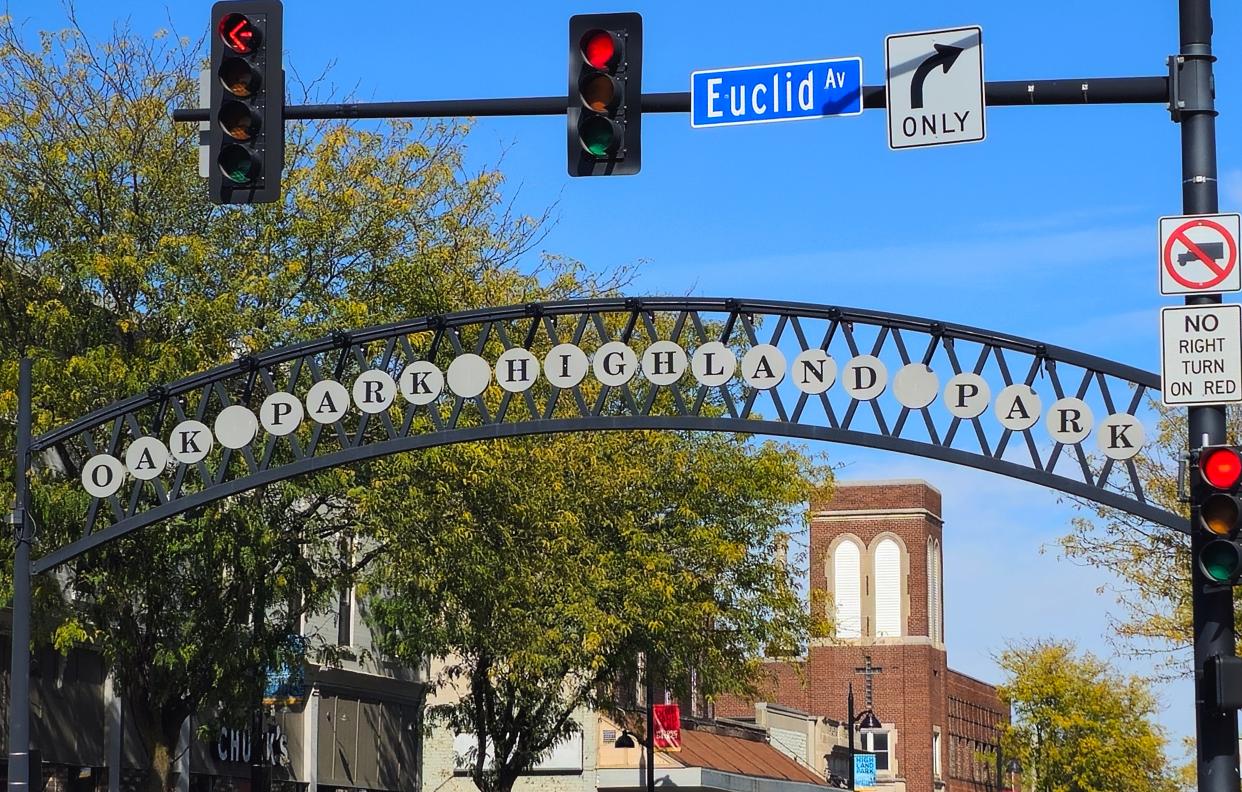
{"points": [[937, 603], [847, 589], [933, 593], [888, 589]]}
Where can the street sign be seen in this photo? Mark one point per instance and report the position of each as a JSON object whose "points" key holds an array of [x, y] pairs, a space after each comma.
{"points": [[1199, 254], [934, 87], [1201, 354], [776, 92], [864, 770]]}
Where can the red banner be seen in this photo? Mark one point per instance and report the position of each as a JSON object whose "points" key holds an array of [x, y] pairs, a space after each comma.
{"points": [[667, 727]]}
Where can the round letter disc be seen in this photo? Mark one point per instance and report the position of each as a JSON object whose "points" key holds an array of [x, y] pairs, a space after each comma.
{"points": [[236, 426], [102, 475]]}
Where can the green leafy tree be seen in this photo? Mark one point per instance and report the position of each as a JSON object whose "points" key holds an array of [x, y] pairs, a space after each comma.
{"points": [[1079, 727], [116, 273], [541, 569]]}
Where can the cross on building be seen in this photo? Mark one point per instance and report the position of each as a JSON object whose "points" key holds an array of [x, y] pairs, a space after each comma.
{"points": [[869, 671]]}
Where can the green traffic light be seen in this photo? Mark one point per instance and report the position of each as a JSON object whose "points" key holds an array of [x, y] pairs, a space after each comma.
{"points": [[237, 164], [1220, 561], [599, 136]]}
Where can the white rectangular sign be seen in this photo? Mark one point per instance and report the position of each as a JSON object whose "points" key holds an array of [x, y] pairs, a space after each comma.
{"points": [[935, 87], [1199, 254], [1201, 354]]}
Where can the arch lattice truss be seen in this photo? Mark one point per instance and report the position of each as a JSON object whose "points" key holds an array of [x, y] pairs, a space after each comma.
{"points": [[1008, 405]]}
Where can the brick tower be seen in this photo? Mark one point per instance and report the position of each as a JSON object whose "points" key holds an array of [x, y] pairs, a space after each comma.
{"points": [[876, 550]]}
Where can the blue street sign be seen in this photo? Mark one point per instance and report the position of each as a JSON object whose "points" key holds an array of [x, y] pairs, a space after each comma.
{"points": [[776, 92], [864, 769]]}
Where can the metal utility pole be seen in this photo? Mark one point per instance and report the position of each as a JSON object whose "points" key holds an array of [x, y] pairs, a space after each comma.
{"points": [[23, 535], [1216, 729]]}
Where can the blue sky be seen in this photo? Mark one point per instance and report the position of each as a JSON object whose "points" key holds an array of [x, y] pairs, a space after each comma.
{"points": [[1046, 229]]}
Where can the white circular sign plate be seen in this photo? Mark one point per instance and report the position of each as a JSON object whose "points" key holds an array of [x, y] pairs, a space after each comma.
{"points": [[565, 365], [915, 386], [421, 382], [469, 375], [236, 426], [102, 475]]}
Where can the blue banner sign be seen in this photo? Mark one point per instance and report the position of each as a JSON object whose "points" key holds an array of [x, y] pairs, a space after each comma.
{"points": [[864, 770], [776, 92], [286, 684]]}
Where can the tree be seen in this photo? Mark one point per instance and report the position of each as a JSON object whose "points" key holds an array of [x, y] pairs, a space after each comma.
{"points": [[1079, 727], [1150, 563], [554, 563], [116, 274]]}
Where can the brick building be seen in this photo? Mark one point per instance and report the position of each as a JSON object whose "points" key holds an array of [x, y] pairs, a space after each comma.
{"points": [[876, 550]]}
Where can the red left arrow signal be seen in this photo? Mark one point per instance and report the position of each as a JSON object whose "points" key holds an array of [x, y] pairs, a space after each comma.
{"points": [[239, 33]]}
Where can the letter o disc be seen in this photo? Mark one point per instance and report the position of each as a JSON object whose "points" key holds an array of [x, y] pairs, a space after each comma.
{"points": [[102, 475]]}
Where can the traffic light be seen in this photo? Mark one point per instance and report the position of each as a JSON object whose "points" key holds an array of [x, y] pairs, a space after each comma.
{"points": [[246, 142], [1220, 473], [605, 94]]}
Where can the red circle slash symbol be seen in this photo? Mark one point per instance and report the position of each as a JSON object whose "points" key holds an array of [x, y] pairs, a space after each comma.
{"points": [[1219, 271]]}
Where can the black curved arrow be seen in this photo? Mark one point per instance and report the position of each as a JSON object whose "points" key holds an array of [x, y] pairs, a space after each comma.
{"points": [[946, 55]]}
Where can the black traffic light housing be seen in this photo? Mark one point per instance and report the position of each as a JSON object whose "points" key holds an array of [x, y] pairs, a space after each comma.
{"points": [[1222, 682], [1217, 509], [604, 114], [246, 142]]}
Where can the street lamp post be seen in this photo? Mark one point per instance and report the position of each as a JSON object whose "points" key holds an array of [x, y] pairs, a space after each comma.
{"points": [[626, 740], [867, 719]]}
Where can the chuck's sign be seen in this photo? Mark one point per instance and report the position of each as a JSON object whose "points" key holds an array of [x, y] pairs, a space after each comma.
{"points": [[1201, 354], [813, 372]]}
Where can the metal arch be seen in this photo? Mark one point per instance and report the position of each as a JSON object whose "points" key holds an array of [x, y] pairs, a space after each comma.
{"points": [[783, 412]]}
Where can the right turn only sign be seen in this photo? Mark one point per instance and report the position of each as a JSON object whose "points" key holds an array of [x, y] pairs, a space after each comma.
{"points": [[934, 87], [1199, 254]]}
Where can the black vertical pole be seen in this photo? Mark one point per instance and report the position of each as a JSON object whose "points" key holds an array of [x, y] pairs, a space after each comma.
{"points": [[19, 665], [849, 717], [650, 727], [1212, 605], [258, 737]]}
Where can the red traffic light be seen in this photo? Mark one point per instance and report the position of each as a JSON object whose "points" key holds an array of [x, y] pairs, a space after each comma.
{"points": [[239, 34], [600, 48], [1221, 467]]}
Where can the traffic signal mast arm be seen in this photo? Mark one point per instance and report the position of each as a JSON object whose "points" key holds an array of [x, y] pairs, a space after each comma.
{"points": [[1002, 93]]}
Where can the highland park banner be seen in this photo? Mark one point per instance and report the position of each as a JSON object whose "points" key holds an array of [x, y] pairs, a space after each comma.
{"points": [[966, 395]]}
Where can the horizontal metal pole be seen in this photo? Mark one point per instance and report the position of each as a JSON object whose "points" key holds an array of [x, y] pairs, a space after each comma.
{"points": [[1086, 90]]}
